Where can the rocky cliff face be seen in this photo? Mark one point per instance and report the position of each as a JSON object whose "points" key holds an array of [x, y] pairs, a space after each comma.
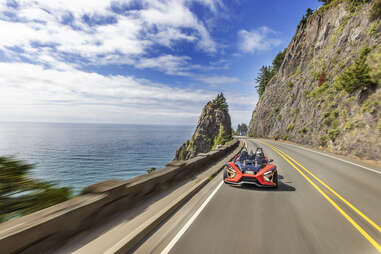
{"points": [[327, 91], [213, 126]]}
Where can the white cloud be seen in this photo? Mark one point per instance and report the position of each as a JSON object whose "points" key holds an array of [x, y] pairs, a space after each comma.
{"points": [[132, 34], [37, 92], [256, 40], [218, 80], [174, 65]]}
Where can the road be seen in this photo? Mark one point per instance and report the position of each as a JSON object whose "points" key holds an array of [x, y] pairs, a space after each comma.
{"points": [[323, 205]]}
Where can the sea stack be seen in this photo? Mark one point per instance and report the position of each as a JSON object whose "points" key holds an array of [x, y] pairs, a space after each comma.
{"points": [[213, 129]]}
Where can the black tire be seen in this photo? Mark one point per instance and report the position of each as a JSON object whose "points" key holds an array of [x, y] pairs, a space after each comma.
{"points": [[276, 180], [225, 175]]}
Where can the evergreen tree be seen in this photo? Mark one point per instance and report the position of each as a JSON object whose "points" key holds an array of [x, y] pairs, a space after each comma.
{"points": [[264, 76], [220, 101]]}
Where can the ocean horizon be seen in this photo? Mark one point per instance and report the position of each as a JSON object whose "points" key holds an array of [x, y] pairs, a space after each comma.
{"points": [[80, 154]]}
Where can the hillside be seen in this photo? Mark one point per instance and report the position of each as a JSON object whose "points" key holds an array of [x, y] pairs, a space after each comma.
{"points": [[213, 128], [327, 90]]}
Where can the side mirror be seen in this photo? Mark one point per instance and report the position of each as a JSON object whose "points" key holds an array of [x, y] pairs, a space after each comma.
{"points": [[271, 160]]}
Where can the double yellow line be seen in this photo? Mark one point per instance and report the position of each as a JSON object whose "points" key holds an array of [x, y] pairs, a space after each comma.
{"points": [[291, 161]]}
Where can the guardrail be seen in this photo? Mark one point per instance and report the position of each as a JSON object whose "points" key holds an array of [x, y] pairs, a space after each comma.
{"points": [[52, 226]]}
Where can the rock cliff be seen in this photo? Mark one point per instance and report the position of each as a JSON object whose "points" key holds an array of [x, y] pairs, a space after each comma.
{"points": [[327, 91], [213, 128]]}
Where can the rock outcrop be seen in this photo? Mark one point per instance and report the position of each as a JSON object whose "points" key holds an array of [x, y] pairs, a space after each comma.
{"points": [[327, 92], [213, 128]]}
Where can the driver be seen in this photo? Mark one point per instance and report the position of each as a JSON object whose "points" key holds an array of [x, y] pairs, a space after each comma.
{"points": [[259, 158]]}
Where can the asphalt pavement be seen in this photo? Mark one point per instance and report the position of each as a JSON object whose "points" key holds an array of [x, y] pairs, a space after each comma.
{"points": [[324, 204]]}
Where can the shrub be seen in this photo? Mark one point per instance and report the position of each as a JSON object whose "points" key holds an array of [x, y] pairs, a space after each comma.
{"points": [[284, 137], [379, 127], [333, 133], [357, 75], [151, 170], [290, 84], [375, 11]]}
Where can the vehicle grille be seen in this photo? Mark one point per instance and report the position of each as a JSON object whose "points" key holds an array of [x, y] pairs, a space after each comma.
{"points": [[249, 179]]}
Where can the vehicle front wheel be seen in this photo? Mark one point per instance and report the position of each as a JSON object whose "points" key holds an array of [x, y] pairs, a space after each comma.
{"points": [[225, 175], [276, 180]]}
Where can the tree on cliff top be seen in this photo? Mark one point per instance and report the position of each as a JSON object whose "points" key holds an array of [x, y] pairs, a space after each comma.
{"points": [[266, 73], [220, 102], [21, 195]]}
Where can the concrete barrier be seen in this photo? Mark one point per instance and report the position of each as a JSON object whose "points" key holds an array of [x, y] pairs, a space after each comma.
{"points": [[52, 226]]}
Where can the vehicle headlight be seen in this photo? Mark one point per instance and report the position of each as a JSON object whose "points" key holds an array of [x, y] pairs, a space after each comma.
{"points": [[230, 172]]}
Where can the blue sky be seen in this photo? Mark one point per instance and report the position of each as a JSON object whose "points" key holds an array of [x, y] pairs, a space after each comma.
{"points": [[137, 61]]}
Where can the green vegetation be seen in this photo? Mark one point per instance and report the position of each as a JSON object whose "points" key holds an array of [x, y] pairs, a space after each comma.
{"points": [[369, 106], [151, 170], [351, 125], [303, 21], [266, 73], [373, 29], [290, 84], [221, 138], [241, 130], [375, 11], [355, 76], [284, 137], [318, 91], [290, 127], [20, 194], [331, 118], [333, 133], [220, 102]]}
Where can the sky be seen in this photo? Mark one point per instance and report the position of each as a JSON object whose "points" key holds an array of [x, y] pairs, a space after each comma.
{"points": [[137, 61]]}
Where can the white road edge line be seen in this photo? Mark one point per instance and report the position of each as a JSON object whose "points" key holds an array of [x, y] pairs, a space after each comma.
{"points": [[190, 221], [307, 149]]}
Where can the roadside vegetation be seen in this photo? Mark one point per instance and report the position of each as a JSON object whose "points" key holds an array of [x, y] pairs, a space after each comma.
{"points": [[21, 195]]}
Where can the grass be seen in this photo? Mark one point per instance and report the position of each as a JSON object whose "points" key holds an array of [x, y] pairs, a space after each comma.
{"points": [[290, 127], [318, 91], [369, 106], [375, 12]]}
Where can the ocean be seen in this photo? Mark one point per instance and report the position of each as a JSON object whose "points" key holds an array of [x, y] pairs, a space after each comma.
{"points": [[77, 155]]}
